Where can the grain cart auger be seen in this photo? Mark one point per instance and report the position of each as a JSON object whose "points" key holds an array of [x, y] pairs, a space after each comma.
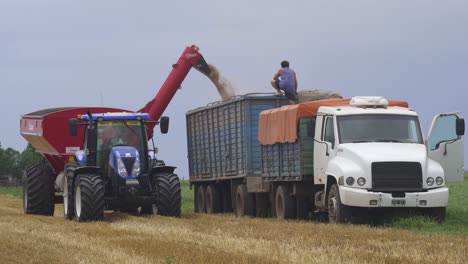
{"points": [[103, 162]]}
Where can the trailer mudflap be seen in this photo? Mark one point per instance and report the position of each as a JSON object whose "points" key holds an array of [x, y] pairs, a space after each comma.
{"points": [[256, 184]]}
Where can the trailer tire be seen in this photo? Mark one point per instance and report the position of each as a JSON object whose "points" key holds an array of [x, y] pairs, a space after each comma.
{"points": [[212, 199], [68, 209], [167, 187], [337, 212], [284, 203], [200, 203], [245, 203], [38, 190], [262, 208], [88, 196]]}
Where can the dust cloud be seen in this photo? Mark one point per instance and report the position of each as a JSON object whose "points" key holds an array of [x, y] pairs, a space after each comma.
{"points": [[223, 85]]}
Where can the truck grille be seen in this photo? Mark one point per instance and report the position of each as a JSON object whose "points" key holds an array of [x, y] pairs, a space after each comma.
{"points": [[396, 176]]}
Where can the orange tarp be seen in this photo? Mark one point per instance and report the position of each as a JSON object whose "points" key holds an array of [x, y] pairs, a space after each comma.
{"points": [[279, 125]]}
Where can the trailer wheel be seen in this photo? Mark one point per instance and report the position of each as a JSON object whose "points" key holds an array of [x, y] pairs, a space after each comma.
{"points": [[212, 199], [200, 203], [284, 203], [262, 208], [438, 214], [337, 212], [167, 187], [38, 190], [245, 204], [68, 210], [89, 198]]}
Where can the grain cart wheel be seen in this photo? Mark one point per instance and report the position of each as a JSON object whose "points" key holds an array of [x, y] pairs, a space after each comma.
{"points": [[68, 209], [38, 190], [200, 203], [89, 198], [337, 212], [212, 199], [284, 203], [245, 202], [262, 208], [167, 187]]}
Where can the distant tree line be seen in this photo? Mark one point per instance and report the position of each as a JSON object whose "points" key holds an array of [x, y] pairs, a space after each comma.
{"points": [[13, 162]]}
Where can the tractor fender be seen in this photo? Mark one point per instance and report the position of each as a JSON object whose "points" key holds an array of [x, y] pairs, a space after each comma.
{"points": [[87, 170], [162, 169]]}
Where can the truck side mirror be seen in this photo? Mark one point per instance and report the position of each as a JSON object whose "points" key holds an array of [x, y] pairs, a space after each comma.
{"points": [[164, 124], [460, 126], [72, 127]]}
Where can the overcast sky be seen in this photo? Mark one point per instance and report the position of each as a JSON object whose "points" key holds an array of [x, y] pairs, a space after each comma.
{"points": [[118, 53]]}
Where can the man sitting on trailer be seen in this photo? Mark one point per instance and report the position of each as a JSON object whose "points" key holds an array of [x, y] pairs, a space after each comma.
{"points": [[285, 79]]}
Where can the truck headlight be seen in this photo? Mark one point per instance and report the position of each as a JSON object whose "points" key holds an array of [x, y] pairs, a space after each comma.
{"points": [[439, 180], [350, 181], [136, 168], [361, 181], [430, 181], [121, 168]]}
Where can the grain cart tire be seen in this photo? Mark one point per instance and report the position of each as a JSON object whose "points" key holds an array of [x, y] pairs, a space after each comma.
{"points": [[262, 208], [167, 187], [438, 214], [68, 209], [38, 190], [200, 203], [245, 202], [337, 212], [284, 203], [212, 199], [88, 197]]}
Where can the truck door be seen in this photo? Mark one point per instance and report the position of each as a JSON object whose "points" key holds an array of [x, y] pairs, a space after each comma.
{"points": [[445, 144], [323, 148]]}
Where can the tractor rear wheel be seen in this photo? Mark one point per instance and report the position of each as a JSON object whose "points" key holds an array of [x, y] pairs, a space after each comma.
{"points": [[38, 190], [68, 210], [167, 188], [88, 198]]}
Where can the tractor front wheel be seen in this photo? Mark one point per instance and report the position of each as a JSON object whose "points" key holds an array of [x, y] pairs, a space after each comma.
{"points": [[89, 198], [167, 191]]}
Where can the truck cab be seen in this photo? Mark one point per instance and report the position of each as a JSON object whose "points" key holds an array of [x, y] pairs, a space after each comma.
{"points": [[371, 155]]}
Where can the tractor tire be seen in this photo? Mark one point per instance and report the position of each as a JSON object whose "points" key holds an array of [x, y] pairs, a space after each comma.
{"points": [[200, 203], [212, 199], [39, 190], [88, 197], [262, 208], [68, 205], [337, 212], [167, 187], [245, 202], [284, 203]]}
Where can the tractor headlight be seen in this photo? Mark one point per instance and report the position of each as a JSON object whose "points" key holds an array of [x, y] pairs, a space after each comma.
{"points": [[136, 168], [439, 180], [121, 168], [430, 181], [361, 181]]}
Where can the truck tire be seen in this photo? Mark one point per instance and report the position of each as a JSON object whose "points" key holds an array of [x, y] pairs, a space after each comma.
{"points": [[337, 212], [245, 203], [262, 208], [167, 187], [212, 199], [438, 214], [38, 190], [200, 199], [68, 205], [88, 197], [284, 203]]}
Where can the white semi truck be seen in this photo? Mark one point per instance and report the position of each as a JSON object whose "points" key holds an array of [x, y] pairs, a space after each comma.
{"points": [[337, 156]]}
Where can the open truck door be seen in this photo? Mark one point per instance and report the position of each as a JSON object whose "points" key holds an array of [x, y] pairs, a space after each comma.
{"points": [[445, 144]]}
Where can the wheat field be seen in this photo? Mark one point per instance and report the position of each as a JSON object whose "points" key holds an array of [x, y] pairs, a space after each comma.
{"points": [[196, 238]]}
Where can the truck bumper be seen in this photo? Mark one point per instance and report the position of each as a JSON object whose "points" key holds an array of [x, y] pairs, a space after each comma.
{"points": [[364, 198]]}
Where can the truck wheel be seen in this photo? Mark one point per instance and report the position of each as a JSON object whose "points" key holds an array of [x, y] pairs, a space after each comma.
{"points": [[38, 190], [168, 195], [89, 198], [200, 199], [284, 203], [262, 208], [212, 199], [68, 210], [438, 214], [337, 212], [244, 201]]}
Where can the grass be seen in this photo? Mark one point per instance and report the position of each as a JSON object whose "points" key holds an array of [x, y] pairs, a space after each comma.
{"points": [[187, 197], [12, 191]]}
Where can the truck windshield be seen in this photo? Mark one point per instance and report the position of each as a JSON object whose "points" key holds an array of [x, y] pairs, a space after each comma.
{"points": [[379, 128]]}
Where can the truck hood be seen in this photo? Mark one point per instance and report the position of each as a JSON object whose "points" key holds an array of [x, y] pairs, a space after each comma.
{"points": [[375, 152]]}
